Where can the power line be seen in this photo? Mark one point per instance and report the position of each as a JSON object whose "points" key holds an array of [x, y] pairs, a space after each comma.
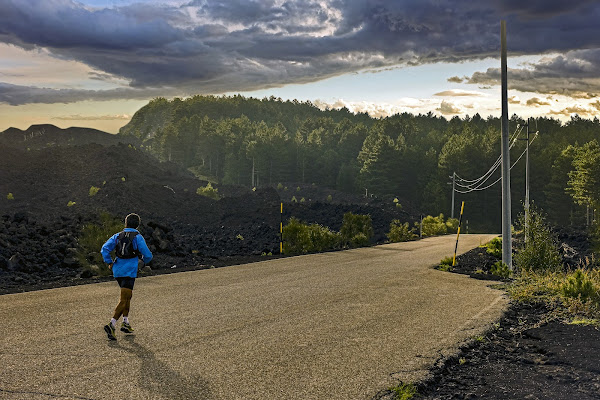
{"points": [[497, 180], [497, 162], [485, 177]]}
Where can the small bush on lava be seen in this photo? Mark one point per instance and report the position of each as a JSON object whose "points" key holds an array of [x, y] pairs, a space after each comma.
{"points": [[452, 225], [580, 285], [494, 247], [540, 252], [500, 269], [433, 226], [404, 391], [353, 224], [359, 240], [446, 264], [209, 191], [300, 238], [10, 196], [400, 232], [94, 191]]}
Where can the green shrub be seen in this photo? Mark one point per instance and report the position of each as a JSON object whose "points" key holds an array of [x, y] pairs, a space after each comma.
{"points": [[302, 200], [447, 260], [123, 179], [300, 238], [294, 200], [404, 391], [452, 225], [329, 198], [579, 285], [433, 226], [399, 206], [208, 191], [10, 196], [445, 267], [298, 189], [353, 224], [94, 191], [500, 269], [540, 252], [400, 232], [359, 240], [91, 239], [446, 264], [239, 236], [494, 247], [279, 186], [71, 204]]}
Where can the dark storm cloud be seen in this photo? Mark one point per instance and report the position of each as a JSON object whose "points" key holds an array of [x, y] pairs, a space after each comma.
{"points": [[215, 46], [541, 8]]}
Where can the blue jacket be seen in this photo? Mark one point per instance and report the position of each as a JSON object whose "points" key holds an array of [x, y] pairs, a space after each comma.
{"points": [[126, 267]]}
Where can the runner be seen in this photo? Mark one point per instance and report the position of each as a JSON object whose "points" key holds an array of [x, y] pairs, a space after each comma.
{"points": [[129, 245]]}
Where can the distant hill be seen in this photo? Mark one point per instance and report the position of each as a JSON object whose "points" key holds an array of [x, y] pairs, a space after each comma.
{"points": [[46, 135], [160, 112]]}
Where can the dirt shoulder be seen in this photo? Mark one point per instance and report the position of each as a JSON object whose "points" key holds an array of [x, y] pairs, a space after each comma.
{"points": [[535, 351]]}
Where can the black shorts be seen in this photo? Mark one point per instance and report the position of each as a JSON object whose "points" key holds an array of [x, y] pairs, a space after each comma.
{"points": [[126, 282]]}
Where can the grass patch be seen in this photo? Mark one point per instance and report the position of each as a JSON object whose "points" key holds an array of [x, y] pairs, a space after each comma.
{"points": [[584, 321], [576, 293], [404, 391]]}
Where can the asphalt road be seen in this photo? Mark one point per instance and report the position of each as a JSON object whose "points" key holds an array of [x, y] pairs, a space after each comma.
{"points": [[340, 325]]}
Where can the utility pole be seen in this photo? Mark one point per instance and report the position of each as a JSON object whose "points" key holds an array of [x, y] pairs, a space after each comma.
{"points": [[527, 183], [453, 191], [506, 212], [453, 183]]}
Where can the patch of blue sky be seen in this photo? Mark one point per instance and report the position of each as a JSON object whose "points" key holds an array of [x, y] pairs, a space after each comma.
{"points": [[389, 85]]}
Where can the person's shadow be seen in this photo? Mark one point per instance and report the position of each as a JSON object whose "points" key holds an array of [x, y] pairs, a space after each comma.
{"points": [[157, 378]]}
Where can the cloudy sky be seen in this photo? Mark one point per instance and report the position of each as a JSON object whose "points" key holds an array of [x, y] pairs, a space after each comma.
{"points": [[95, 62]]}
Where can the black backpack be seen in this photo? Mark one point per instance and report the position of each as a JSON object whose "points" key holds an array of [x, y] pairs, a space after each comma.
{"points": [[124, 248]]}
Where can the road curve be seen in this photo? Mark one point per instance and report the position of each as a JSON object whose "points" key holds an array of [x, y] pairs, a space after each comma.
{"points": [[340, 325]]}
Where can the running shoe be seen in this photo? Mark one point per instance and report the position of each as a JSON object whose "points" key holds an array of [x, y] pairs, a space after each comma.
{"points": [[110, 331], [125, 327]]}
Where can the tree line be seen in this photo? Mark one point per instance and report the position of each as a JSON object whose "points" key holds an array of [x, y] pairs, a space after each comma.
{"points": [[261, 142]]}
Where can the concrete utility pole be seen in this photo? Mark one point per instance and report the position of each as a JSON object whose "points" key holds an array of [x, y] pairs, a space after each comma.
{"points": [[506, 212], [527, 203], [527, 183]]}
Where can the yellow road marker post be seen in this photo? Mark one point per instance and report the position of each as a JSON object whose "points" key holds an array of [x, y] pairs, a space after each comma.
{"points": [[281, 230]]}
